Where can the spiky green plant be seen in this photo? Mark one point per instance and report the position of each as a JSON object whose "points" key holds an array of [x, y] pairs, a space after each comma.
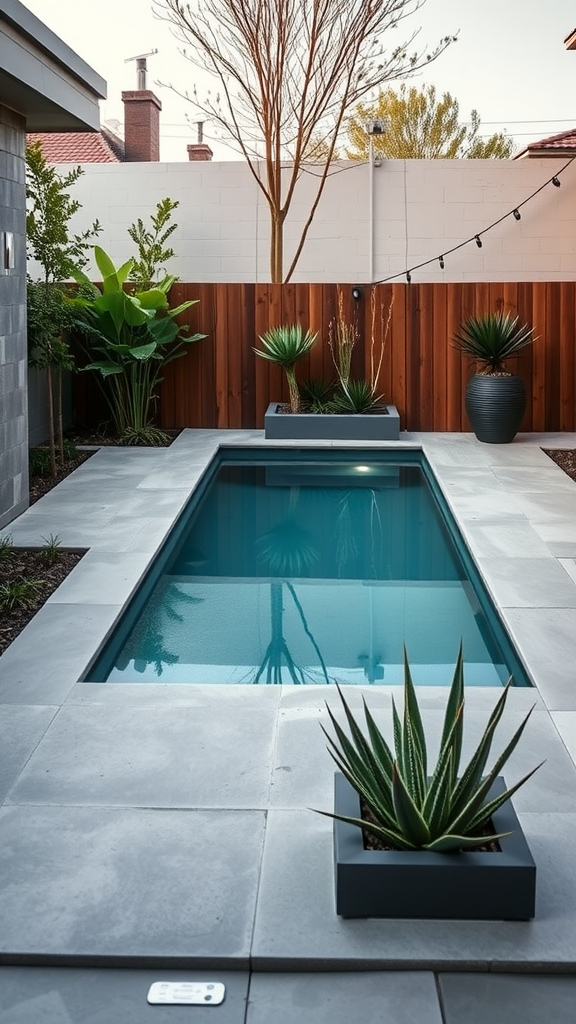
{"points": [[6, 548], [492, 338], [52, 549], [408, 809], [317, 395], [356, 396], [285, 346], [19, 594]]}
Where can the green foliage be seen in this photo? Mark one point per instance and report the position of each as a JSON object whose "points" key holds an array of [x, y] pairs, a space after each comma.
{"points": [[492, 338], [49, 316], [52, 549], [39, 461], [318, 395], [356, 396], [148, 436], [285, 346], [20, 594], [408, 809], [50, 210], [6, 547], [132, 336], [421, 126], [152, 253]]}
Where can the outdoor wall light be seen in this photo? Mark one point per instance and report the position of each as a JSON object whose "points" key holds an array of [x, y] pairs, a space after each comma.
{"points": [[356, 294], [377, 126], [6, 252]]}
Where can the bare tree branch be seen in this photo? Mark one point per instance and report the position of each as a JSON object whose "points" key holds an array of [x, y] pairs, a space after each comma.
{"points": [[287, 73]]}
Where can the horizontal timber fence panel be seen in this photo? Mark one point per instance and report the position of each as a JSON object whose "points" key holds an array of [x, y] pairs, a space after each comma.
{"points": [[222, 383]]}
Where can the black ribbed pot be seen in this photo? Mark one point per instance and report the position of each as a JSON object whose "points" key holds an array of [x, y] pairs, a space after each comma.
{"points": [[495, 406]]}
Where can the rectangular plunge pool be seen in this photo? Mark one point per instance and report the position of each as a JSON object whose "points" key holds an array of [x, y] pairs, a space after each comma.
{"points": [[309, 568]]}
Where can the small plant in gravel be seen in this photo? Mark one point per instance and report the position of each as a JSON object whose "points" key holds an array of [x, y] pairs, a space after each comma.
{"points": [[52, 549], [6, 547], [19, 594]]}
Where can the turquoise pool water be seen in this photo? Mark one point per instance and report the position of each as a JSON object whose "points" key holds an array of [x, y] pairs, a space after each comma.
{"points": [[310, 569]]}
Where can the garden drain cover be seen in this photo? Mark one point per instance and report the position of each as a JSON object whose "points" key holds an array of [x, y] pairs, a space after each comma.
{"points": [[186, 993]]}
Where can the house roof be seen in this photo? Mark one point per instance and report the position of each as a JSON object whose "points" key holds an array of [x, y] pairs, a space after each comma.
{"points": [[101, 147], [563, 144]]}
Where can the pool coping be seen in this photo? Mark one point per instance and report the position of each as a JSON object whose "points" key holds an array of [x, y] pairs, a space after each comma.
{"points": [[120, 504]]}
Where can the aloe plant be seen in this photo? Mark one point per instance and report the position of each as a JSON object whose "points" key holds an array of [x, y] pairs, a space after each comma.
{"points": [[408, 809], [285, 346]]}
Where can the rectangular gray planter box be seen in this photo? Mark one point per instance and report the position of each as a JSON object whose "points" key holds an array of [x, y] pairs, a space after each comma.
{"points": [[309, 426], [420, 884]]}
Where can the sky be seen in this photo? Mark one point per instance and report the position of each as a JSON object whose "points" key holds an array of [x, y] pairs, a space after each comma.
{"points": [[509, 62]]}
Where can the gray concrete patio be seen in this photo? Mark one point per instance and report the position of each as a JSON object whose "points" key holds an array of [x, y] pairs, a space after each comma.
{"points": [[166, 828]]}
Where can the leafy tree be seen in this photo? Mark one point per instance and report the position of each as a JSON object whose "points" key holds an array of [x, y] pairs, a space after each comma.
{"points": [[420, 126], [151, 244], [287, 72], [60, 254]]}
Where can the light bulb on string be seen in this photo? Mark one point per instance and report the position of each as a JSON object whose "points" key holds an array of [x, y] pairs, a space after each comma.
{"points": [[441, 262], [517, 214], [478, 241], [408, 277], [556, 181]]}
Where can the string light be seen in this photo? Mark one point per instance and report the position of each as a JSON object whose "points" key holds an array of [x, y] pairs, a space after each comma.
{"points": [[515, 212]]}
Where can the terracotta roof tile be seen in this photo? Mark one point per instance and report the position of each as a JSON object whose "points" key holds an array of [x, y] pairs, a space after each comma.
{"points": [[79, 147], [565, 142]]}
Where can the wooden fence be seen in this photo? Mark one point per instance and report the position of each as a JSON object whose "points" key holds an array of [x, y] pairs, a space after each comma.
{"points": [[221, 383]]}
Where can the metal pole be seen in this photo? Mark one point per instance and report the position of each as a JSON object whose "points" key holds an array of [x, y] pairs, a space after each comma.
{"points": [[371, 208]]}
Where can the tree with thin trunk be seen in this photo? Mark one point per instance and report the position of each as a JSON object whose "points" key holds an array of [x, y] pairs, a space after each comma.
{"points": [[287, 73]]}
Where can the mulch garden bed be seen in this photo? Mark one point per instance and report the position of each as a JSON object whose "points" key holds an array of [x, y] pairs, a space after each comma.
{"points": [[19, 565]]}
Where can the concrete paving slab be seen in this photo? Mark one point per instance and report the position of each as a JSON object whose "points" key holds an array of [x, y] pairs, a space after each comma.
{"points": [[296, 924], [60, 995], [528, 583], [21, 728], [153, 757], [565, 722], [198, 695], [499, 537], [102, 578], [507, 999], [390, 998], [546, 639], [537, 479], [128, 887], [49, 656], [299, 780]]}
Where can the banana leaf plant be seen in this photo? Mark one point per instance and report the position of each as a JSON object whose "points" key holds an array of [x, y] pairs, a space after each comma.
{"points": [[130, 338]]}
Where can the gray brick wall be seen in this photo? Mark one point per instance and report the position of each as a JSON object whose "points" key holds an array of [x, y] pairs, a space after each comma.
{"points": [[13, 354]]}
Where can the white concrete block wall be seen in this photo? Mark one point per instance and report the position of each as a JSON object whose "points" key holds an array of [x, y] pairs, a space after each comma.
{"points": [[421, 209]]}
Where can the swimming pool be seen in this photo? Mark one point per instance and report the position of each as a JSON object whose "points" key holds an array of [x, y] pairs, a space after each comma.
{"points": [[307, 568]]}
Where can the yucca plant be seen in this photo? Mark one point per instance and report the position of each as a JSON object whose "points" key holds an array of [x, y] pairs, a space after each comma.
{"points": [[356, 396], [408, 809], [285, 346], [492, 338]]}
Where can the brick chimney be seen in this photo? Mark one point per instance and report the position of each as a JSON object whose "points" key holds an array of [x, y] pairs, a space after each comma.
{"points": [[199, 150], [141, 125]]}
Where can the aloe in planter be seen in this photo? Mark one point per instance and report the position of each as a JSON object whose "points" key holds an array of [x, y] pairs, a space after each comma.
{"points": [[285, 346], [134, 337], [495, 398], [411, 807]]}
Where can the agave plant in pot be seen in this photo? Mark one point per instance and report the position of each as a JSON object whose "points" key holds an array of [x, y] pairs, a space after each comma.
{"points": [[410, 841], [495, 398]]}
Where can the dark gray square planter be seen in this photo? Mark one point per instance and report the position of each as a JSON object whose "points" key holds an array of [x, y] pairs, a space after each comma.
{"points": [[419, 884], [308, 426]]}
